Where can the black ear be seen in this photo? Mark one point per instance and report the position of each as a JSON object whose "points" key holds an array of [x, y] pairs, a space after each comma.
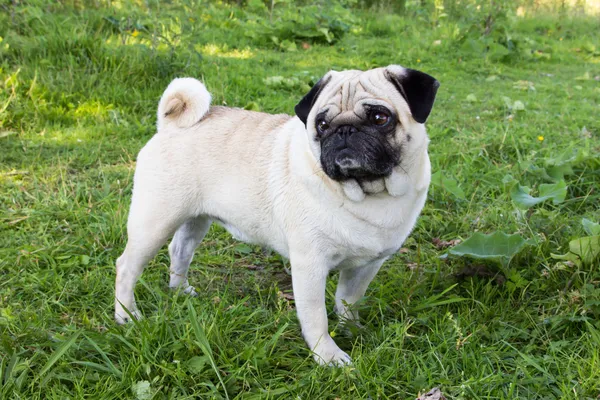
{"points": [[417, 88], [305, 105]]}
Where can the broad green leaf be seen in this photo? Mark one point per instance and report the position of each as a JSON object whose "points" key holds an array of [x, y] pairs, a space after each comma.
{"points": [[508, 179], [518, 106], [558, 172], [328, 35], [555, 191], [520, 195], [554, 170], [585, 250], [142, 390], [496, 51], [242, 248], [252, 106], [196, 364], [507, 102], [562, 164], [592, 228], [533, 169], [288, 45], [450, 185], [471, 98], [567, 257], [551, 173], [497, 246]]}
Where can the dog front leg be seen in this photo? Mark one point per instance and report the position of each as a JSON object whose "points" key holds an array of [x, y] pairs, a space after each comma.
{"points": [[308, 279]]}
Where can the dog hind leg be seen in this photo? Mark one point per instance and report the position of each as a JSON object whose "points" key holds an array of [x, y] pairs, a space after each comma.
{"points": [[181, 250], [147, 232]]}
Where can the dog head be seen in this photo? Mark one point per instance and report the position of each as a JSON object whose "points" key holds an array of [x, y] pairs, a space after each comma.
{"points": [[364, 124]]}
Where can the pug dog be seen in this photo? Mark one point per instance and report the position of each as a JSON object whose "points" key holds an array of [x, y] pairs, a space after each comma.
{"points": [[339, 186]]}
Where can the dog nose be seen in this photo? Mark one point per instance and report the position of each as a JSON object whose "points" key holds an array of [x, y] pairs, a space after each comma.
{"points": [[346, 130]]}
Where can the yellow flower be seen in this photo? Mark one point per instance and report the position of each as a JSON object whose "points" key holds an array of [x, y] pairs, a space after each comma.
{"points": [[560, 39], [418, 60], [541, 138], [135, 33]]}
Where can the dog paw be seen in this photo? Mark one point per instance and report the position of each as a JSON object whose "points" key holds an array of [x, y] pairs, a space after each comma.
{"points": [[189, 290], [122, 317], [331, 355]]}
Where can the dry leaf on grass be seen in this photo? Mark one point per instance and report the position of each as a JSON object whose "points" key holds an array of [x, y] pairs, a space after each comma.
{"points": [[412, 266], [442, 244], [287, 296], [433, 394]]}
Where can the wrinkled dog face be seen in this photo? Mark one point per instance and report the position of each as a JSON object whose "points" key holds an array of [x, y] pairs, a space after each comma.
{"points": [[359, 143], [364, 124]]}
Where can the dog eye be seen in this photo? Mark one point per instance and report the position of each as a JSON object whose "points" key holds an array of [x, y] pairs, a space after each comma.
{"points": [[380, 118], [322, 126]]}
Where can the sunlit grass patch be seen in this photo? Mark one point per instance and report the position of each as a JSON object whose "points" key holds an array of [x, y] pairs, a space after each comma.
{"points": [[222, 51]]}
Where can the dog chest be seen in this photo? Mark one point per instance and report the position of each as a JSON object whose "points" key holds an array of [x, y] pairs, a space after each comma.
{"points": [[362, 236], [365, 250]]}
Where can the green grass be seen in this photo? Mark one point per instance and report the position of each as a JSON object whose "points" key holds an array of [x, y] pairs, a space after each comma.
{"points": [[79, 89]]}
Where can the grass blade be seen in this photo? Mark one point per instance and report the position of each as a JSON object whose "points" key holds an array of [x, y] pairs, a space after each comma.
{"points": [[432, 301], [96, 366], [439, 303], [275, 338], [529, 360], [111, 367], [202, 342], [59, 353]]}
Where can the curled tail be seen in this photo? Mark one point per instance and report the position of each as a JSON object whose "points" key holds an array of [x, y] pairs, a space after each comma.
{"points": [[184, 103]]}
